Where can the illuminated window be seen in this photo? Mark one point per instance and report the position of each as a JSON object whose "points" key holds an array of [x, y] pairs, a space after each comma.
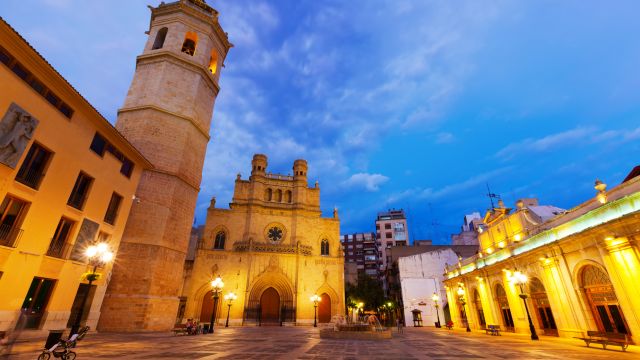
{"points": [[213, 62], [160, 36], [190, 42]]}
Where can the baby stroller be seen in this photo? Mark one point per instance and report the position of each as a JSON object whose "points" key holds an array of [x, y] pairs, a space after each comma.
{"points": [[62, 348]]}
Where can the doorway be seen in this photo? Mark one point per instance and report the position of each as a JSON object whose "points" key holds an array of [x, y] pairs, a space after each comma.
{"points": [[542, 309], [324, 309], [503, 305], [270, 307], [36, 301], [603, 301]]}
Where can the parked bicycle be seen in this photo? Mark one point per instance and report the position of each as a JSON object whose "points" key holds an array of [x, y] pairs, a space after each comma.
{"points": [[63, 348]]}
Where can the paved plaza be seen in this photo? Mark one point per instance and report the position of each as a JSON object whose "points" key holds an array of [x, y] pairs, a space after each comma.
{"points": [[305, 343]]}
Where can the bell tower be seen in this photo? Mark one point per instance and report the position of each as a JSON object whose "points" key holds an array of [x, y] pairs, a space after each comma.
{"points": [[166, 116]]}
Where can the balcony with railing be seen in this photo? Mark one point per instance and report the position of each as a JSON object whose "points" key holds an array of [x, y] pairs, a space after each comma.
{"points": [[59, 249], [31, 178], [10, 235]]}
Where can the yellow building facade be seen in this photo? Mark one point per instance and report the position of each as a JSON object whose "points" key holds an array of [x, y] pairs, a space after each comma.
{"points": [[68, 179], [582, 267], [273, 250]]}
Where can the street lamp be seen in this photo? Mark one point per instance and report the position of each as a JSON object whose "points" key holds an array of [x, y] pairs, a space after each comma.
{"points": [[316, 299], [229, 297], [97, 255], [520, 279], [435, 299], [463, 302], [216, 289]]}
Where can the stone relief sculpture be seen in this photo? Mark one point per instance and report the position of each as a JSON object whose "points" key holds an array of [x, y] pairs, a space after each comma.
{"points": [[16, 130]]}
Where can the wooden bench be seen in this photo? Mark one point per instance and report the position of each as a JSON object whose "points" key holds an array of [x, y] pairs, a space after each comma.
{"points": [[180, 329], [605, 339], [492, 330]]}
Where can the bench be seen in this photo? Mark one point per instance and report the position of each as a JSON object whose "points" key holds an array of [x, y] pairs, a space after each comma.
{"points": [[492, 330], [180, 329], [604, 338]]}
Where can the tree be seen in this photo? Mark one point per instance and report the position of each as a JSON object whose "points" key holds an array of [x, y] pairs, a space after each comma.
{"points": [[368, 290]]}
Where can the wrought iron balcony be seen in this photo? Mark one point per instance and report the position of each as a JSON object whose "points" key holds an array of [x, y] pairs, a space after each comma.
{"points": [[10, 235], [58, 249]]}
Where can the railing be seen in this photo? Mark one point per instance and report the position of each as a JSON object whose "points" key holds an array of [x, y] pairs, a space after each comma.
{"points": [[31, 178], [305, 250], [279, 176], [58, 249], [10, 235]]}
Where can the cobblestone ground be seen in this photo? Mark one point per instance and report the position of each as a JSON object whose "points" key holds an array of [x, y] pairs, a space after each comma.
{"points": [[305, 343]]}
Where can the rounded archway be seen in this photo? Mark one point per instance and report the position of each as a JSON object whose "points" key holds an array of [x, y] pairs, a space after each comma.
{"points": [[479, 310], [505, 310], [207, 308], [324, 308], [279, 284], [270, 307], [541, 307], [602, 299]]}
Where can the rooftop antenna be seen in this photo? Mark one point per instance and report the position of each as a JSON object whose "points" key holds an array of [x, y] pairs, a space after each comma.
{"points": [[491, 196]]}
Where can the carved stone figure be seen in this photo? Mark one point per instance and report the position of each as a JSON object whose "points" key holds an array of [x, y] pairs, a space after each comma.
{"points": [[16, 130]]}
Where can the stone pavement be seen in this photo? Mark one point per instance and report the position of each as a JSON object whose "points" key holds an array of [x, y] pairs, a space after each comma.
{"points": [[305, 343]]}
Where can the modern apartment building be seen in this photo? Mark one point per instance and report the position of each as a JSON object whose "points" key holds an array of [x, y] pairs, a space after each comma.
{"points": [[362, 249], [391, 230]]}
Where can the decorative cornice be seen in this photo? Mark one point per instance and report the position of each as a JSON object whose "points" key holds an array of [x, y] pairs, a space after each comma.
{"points": [[165, 111]]}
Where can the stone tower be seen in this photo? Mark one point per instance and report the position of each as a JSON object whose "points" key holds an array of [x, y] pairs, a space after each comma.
{"points": [[166, 116]]}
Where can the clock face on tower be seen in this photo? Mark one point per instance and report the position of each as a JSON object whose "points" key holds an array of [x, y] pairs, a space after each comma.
{"points": [[275, 233]]}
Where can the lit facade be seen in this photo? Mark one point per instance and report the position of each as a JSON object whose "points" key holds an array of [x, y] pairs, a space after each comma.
{"points": [[68, 180], [273, 250], [582, 267]]}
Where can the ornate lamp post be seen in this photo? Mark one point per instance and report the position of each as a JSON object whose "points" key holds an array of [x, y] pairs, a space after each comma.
{"points": [[520, 279], [216, 289], [463, 303], [229, 297], [435, 299], [97, 255], [316, 299]]}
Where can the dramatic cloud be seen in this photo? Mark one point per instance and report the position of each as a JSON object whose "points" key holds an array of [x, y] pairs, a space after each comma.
{"points": [[370, 182]]}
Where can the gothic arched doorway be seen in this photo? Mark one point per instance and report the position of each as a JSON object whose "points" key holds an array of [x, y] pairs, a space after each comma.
{"points": [[479, 310], [207, 308], [324, 309], [270, 307], [603, 301], [503, 305], [542, 308]]}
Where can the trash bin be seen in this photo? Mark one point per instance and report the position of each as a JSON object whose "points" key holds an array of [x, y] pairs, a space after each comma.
{"points": [[53, 338]]}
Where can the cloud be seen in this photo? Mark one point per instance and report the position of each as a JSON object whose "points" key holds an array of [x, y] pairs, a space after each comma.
{"points": [[447, 190], [546, 143], [370, 182], [444, 138], [574, 137]]}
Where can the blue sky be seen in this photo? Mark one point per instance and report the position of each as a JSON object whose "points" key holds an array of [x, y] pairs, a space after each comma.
{"points": [[395, 104]]}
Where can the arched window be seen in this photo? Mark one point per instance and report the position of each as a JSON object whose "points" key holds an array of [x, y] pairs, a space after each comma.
{"points": [[213, 62], [324, 247], [218, 244], [279, 195], [287, 196], [268, 195], [190, 43], [160, 36]]}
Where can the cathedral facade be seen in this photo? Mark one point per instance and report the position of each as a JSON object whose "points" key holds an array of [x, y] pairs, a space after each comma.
{"points": [[273, 250]]}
